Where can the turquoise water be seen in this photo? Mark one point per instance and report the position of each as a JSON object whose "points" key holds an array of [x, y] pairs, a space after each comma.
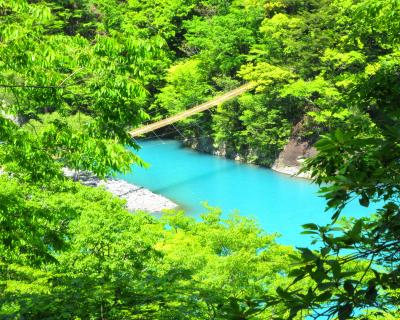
{"points": [[279, 202]]}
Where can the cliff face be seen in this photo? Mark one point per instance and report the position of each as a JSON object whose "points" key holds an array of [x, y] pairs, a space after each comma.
{"points": [[292, 156]]}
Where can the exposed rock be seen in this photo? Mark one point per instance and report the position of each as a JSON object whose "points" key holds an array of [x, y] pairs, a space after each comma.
{"points": [[138, 198], [202, 144], [206, 145], [19, 120], [291, 158]]}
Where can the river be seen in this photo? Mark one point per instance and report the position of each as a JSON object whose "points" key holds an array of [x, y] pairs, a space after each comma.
{"points": [[278, 202]]}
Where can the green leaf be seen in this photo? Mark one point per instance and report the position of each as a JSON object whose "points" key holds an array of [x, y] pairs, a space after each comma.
{"points": [[310, 226], [307, 254], [356, 230], [345, 311], [325, 296], [325, 250], [364, 200], [348, 286]]}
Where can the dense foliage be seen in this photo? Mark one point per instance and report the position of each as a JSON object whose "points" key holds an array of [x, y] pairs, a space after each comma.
{"points": [[75, 75], [74, 252]]}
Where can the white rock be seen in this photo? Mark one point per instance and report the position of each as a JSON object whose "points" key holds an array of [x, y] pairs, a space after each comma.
{"points": [[138, 198], [292, 171]]}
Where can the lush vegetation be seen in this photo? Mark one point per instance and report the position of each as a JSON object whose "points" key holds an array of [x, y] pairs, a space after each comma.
{"points": [[76, 75], [74, 252]]}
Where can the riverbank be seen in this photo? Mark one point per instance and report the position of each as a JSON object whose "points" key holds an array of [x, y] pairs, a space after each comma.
{"points": [[293, 171], [289, 160], [137, 197]]}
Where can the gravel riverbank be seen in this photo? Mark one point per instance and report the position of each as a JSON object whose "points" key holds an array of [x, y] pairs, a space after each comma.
{"points": [[137, 197]]}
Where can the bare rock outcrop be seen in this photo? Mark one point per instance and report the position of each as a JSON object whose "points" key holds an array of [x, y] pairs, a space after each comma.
{"points": [[292, 156]]}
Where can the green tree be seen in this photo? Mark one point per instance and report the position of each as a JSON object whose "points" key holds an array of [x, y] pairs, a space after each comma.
{"points": [[114, 264], [359, 161]]}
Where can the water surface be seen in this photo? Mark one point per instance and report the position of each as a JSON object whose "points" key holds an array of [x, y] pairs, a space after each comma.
{"points": [[279, 202]]}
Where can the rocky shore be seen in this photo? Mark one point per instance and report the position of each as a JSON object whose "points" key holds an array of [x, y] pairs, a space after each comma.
{"points": [[137, 198], [292, 157], [293, 171], [289, 161]]}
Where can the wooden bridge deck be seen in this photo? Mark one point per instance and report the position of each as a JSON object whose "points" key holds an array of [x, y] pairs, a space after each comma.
{"points": [[187, 113]]}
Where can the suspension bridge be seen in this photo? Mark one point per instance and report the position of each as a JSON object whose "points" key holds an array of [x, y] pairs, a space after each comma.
{"points": [[187, 113]]}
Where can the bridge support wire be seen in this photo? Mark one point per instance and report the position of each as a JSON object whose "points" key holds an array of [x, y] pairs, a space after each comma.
{"points": [[177, 130], [157, 136]]}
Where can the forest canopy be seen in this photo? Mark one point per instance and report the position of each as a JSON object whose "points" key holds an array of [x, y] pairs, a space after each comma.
{"points": [[76, 75]]}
